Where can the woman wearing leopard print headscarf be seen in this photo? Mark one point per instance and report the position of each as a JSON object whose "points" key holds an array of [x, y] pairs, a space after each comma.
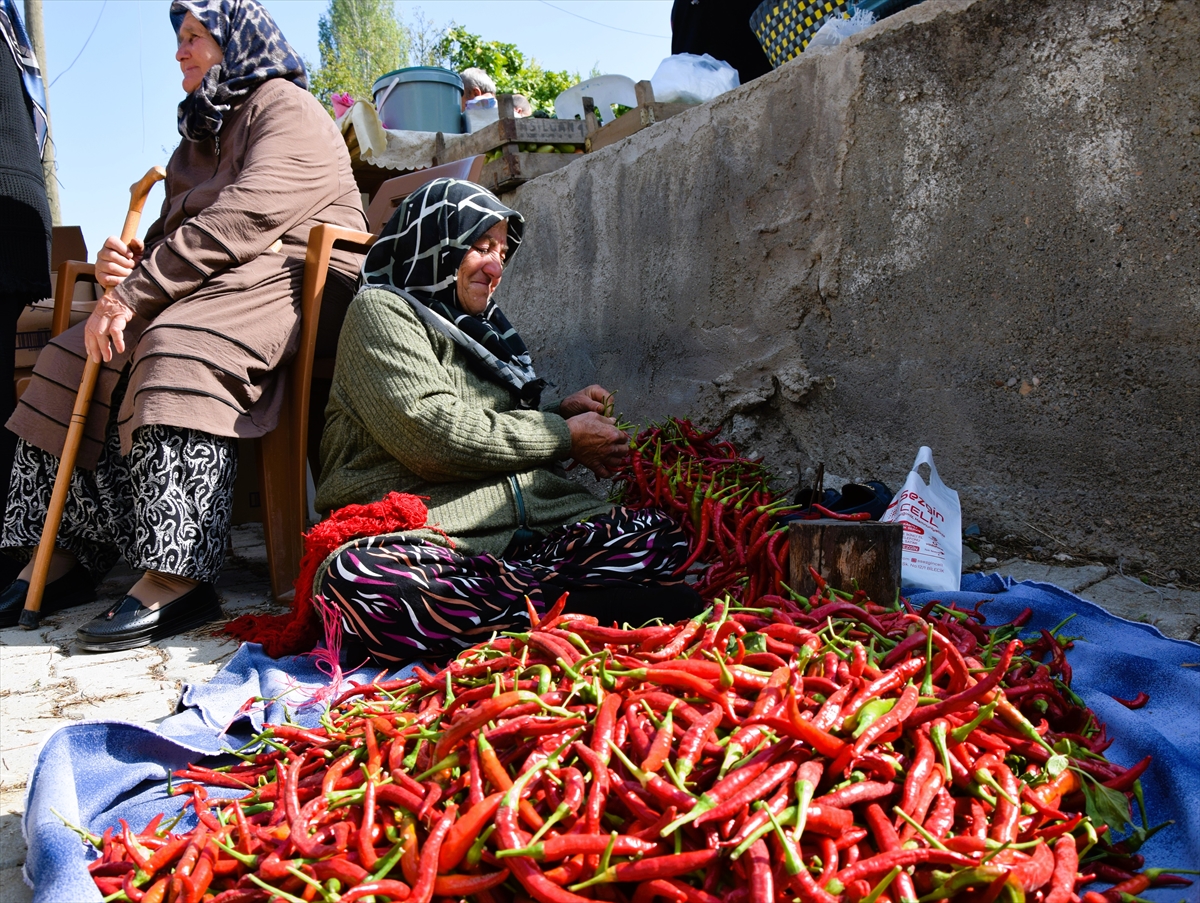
{"points": [[202, 316]]}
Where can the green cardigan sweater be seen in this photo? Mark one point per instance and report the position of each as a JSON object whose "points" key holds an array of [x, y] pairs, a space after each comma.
{"points": [[407, 413]]}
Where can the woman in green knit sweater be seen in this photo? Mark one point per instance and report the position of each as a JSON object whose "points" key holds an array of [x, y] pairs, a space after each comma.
{"points": [[434, 394]]}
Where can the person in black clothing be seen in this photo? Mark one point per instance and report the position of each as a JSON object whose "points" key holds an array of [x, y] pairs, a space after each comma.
{"points": [[25, 227], [720, 28]]}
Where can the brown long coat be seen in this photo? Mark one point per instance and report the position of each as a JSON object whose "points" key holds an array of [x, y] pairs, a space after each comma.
{"points": [[217, 305]]}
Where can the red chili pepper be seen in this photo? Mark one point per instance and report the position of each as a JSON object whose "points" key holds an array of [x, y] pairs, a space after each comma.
{"points": [[427, 868], [1066, 867], [464, 831], [667, 866], [344, 870], [131, 891], [701, 544], [661, 745], [366, 846], [888, 840], [883, 863], [468, 885], [399, 796], [693, 742], [960, 700], [1124, 781], [555, 648], [853, 794], [295, 734], [679, 642], [754, 790], [487, 710], [396, 890], [156, 892], [564, 845], [762, 881], [892, 680], [829, 712]]}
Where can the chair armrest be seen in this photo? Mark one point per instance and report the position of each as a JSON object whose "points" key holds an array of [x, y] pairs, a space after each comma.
{"points": [[69, 272]]}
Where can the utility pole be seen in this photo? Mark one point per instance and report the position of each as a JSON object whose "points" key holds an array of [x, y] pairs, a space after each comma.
{"points": [[33, 25]]}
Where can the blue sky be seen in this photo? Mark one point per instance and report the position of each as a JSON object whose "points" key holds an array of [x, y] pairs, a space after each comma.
{"points": [[113, 107]]}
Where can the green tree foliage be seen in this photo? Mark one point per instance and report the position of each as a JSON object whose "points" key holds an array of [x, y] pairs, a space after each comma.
{"points": [[509, 68], [359, 40]]}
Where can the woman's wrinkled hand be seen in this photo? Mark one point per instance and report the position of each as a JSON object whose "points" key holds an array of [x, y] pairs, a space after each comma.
{"points": [[116, 261], [596, 443], [595, 399], [107, 322]]}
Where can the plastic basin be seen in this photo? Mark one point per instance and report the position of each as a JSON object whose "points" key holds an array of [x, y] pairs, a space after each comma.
{"points": [[420, 99]]}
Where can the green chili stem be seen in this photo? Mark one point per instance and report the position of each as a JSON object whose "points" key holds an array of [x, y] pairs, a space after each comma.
{"points": [[920, 829]]}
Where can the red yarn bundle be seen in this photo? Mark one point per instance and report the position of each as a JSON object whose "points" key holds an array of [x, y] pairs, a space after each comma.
{"points": [[300, 629]]}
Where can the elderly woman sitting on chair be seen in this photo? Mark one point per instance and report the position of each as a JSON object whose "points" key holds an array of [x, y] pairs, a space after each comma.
{"points": [[434, 394], [191, 337]]}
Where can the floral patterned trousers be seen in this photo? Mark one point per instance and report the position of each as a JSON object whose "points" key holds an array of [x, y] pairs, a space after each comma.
{"points": [[165, 507]]}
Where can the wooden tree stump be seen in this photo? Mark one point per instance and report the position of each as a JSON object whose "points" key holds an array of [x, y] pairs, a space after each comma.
{"points": [[843, 552]]}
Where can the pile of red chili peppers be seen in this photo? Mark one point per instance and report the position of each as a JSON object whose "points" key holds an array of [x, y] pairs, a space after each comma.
{"points": [[826, 750], [724, 501]]}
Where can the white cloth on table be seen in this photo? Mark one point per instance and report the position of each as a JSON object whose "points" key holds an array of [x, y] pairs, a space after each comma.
{"points": [[393, 148]]}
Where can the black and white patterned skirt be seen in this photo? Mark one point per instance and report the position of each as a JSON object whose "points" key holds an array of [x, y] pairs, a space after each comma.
{"points": [[165, 507]]}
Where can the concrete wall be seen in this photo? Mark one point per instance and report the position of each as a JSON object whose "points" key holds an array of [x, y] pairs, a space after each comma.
{"points": [[973, 226]]}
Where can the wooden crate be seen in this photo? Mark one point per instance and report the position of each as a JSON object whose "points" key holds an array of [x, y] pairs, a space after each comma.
{"points": [[514, 166], [646, 113], [510, 130], [846, 552]]}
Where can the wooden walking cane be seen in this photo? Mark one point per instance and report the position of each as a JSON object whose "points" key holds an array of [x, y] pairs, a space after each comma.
{"points": [[31, 614]]}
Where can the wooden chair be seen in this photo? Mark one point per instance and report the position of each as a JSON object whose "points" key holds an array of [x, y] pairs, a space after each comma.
{"points": [[283, 452], [392, 192], [283, 455]]}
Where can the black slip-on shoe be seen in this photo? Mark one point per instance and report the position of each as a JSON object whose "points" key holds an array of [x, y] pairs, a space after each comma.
{"points": [[128, 624], [73, 588]]}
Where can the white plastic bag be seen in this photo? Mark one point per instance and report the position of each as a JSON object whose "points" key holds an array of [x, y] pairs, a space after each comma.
{"points": [[837, 29], [932, 522], [688, 78]]}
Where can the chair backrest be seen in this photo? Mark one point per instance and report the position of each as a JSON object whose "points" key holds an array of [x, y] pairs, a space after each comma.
{"points": [[393, 192]]}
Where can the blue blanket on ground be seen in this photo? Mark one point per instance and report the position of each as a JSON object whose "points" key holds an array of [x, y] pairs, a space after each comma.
{"points": [[94, 773]]}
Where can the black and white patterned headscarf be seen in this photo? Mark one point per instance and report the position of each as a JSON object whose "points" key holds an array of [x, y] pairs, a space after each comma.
{"points": [[418, 255], [255, 50]]}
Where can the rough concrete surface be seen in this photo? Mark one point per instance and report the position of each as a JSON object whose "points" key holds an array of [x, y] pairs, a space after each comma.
{"points": [[1072, 579], [973, 226], [45, 683]]}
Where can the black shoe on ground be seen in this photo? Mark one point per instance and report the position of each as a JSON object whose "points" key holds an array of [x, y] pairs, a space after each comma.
{"points": [[72, 588], [128, 624]]}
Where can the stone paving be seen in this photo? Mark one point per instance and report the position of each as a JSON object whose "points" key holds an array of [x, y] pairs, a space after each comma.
{"points": [[44, 684]]}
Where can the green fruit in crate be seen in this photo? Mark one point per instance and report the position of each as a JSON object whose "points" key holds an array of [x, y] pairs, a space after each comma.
{"points": [[566, 148], [547, 149]]}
